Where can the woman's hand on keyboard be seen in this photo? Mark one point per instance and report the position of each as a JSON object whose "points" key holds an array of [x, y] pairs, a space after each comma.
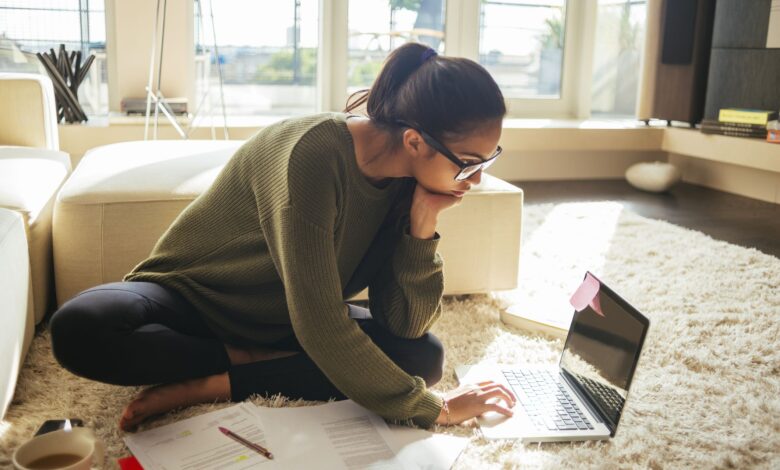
{"points": [[472, 400]]}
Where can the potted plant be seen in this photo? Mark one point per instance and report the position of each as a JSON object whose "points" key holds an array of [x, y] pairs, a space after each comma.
{"points": [[551, 57]]}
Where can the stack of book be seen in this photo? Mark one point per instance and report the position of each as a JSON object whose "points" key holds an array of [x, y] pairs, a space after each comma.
{"points": [[740, 123]]}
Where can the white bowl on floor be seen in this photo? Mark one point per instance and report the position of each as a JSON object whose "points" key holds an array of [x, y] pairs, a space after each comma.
{"points": [[653, 176]]}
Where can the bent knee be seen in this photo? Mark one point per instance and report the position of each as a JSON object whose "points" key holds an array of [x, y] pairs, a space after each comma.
{"points": [[70, 328]]}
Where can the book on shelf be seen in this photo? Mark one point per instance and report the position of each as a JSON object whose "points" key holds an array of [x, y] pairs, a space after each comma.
{"points": [[709, 126], [746, 116], [730, 133], [773, 132], [732, 125]]}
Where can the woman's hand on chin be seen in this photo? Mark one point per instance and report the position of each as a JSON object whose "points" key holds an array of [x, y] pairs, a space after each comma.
{"points": [[424, 214]]}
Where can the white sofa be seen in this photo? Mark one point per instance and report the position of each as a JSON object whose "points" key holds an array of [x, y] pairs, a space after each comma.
{"points": [[32, 170], [17, 318], [122, 197]]}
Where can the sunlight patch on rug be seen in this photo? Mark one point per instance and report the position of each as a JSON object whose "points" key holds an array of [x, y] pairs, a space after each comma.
{"points": [[4, 427], [559, 243]]}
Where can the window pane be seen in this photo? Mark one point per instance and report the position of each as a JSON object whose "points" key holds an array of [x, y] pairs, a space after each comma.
{"points": [[30, 26], [619, 41], [268, 52], [376, 27], [521, 45]]}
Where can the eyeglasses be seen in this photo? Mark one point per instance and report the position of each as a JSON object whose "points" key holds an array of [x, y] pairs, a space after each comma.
{"points": [[467, 170]]}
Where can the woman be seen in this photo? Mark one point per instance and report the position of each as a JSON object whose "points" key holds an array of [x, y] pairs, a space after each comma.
{"points": [[244, 293]]}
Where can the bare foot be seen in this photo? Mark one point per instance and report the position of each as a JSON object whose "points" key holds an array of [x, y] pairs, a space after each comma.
{"points": [[240, 356], [162, 398]]}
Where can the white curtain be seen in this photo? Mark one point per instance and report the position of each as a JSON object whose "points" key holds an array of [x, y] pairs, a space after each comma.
{"points": [[647, 75]]}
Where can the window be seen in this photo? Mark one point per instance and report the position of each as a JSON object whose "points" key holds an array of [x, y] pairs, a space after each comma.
{"points": [[552, 58], [376, 27], [31, 26], [268, 52], [521, 44], [616, 56]]}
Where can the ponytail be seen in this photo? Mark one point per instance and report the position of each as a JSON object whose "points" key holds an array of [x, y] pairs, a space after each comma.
{"points": [[445, 96]]}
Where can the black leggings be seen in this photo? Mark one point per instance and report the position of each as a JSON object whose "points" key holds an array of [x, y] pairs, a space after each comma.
{"points": [[140, 333]]}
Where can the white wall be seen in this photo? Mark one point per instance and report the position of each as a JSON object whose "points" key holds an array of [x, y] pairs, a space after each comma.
{"points": [[129, 29]]}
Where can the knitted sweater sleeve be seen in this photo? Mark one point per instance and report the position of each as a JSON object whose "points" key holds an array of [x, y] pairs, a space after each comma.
{"points": [[404, 275], [304, 255], [405, 294]]}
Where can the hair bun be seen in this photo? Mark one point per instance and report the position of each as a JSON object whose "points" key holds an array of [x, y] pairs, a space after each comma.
{"points": [[427, 54]]}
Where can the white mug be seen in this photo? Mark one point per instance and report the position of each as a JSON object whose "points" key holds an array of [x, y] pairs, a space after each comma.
{"points": [[77, 441]]}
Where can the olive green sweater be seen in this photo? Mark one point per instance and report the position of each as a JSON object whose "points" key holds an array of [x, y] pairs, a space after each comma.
{"points": [[288, 231]]}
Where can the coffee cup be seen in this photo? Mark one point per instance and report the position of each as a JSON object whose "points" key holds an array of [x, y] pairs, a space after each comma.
{"points": [[74, 449]]}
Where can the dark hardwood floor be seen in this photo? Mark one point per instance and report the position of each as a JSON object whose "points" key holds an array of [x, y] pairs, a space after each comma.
{"points": [[723, 216]]}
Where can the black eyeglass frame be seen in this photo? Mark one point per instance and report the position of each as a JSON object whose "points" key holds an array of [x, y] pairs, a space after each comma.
{"points": [[439, 147]]}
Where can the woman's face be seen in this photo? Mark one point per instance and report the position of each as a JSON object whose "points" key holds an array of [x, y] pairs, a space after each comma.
{"points": [[436, 173]]}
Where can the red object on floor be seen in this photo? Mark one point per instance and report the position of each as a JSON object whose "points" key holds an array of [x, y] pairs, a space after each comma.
{"points": [[129, 463]]}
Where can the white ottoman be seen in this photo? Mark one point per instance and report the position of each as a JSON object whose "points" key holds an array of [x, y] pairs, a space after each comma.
{"points": [[29, 181], [122, 197], [17, 318]]}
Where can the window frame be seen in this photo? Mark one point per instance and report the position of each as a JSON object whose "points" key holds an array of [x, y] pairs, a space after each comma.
{"points": [[462, 34]]}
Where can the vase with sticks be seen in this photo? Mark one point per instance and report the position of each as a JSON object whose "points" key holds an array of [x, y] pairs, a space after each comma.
{"points": [[66, 72]]}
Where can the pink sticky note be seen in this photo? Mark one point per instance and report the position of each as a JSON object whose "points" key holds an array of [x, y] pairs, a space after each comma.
{"points": [[587, 294]]}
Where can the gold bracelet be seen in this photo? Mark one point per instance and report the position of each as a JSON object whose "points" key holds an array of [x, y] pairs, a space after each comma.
{"points": [[446, 408]]}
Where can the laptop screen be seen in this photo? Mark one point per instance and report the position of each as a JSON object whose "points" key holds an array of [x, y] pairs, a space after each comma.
{"points": [[602, 350]]}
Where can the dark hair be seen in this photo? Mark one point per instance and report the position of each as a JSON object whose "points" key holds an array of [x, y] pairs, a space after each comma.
{"points": [[445, 96]]}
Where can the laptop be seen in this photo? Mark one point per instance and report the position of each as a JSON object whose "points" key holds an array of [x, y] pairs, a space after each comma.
{"points": [[584, 396]]}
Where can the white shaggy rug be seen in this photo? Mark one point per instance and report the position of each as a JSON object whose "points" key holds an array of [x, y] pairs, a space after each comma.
{"points": [[705, 395]]}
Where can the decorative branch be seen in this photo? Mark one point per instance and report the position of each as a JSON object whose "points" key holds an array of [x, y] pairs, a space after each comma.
{"points": [[66, 73]]}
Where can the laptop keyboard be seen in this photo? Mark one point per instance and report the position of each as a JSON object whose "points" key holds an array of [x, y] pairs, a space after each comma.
{"points": [[546, 401], [608, 398]]}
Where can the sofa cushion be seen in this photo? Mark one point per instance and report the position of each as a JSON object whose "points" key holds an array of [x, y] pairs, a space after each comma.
{"points": [[30, 117], [29, 181], [30, 178], [17, 319], [147, 171]]}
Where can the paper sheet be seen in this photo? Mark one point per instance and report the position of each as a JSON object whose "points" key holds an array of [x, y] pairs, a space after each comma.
{"points": [[197, 444], [419, 449], [338, 435], [360, 438], [335, 435]]}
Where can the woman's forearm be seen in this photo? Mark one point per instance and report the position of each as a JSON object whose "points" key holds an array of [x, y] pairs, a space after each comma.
{"points": [[422, 223]]}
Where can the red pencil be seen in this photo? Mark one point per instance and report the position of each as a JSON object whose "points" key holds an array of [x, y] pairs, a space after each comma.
{"points": [[260, 449]]}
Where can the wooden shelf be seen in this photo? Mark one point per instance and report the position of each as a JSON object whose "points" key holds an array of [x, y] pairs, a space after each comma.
{"points": [[742, 151], [550, 135]]}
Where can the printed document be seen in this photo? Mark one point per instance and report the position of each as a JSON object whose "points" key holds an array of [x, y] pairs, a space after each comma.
{"points": [[337, 435], [197, 444]]}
